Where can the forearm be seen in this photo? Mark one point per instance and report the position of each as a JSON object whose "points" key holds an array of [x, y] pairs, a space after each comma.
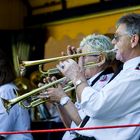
{"points": [[79, 89], [72, 112], [64, 116]]}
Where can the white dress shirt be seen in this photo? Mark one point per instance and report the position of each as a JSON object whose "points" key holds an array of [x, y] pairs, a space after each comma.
{"points": [[17, 119], [103, 80], [118, 103]]}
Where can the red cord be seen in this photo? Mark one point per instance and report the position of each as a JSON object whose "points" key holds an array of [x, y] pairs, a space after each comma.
{"points": [[69, 129]]}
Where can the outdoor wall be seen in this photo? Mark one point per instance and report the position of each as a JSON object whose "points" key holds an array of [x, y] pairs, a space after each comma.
{"points": [[71, 32]]}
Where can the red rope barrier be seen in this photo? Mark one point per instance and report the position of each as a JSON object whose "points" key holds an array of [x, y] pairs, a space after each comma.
{"points": [[69, 129]]}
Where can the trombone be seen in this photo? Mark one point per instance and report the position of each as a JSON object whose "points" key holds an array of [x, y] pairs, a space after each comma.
{"points": [[10, 103]]}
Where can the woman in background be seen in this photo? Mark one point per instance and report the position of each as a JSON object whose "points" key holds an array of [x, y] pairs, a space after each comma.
{"points": [[17, 119]]}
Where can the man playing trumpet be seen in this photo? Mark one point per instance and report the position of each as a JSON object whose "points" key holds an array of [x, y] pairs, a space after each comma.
{"points": [[97, 77]]}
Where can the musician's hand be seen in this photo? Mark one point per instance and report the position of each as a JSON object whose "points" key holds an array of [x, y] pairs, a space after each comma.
{"points": [[71, 70], [71, 50], [53, 94]]}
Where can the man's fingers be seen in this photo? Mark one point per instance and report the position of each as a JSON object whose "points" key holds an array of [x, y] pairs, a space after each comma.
{"points": [[44, 95], [71, 50]]}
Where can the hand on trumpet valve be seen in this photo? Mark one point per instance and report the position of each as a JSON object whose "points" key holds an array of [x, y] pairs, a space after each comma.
{"points": [[44, 95], [50, 93], [45, 80], [71, 69], [53, 95], [48, 79]]}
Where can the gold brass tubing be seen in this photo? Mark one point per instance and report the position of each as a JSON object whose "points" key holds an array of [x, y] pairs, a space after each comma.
{"points": [[41, 101], [9, 103], [91, 64], [69, 89], [33, 103], [56, 71], [43, 61], [49, 72], [66, 88]]}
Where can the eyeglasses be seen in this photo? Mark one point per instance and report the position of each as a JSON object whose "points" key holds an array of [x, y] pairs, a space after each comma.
{"points": [[117, 37], [94, 55]]}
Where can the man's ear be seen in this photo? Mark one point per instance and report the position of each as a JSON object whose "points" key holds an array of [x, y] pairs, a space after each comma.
{"points": [[134, 40], [101, 59]]}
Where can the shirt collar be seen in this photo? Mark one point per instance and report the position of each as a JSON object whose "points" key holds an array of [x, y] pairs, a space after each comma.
{"points": [[132, 63]]}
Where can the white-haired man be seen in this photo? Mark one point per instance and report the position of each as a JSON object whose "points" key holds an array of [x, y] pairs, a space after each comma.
{"points": [[97, 77]]}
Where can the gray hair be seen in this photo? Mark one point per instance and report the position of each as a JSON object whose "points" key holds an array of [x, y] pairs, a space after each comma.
{"points": [[98, 43], [132, 22]]}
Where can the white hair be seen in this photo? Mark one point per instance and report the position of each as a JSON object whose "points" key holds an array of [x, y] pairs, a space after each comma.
{"points": [[98, 43]]}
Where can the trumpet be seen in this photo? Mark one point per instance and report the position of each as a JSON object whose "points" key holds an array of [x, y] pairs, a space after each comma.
{"points": [[41, 101], [25, 64], [10, 103]]}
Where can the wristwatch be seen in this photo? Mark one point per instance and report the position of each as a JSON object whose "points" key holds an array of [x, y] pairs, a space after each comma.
{"points": [[78, 82], [64, 100]]}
